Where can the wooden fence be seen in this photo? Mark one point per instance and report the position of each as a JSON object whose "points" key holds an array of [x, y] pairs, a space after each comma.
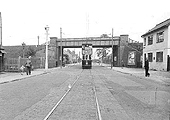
{"points": [[13, 64]]}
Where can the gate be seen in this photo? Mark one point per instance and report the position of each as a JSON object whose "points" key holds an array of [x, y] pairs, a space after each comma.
{"points": [[168, 63]]}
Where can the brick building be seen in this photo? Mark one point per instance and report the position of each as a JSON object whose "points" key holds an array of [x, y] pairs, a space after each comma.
{"points": [[129, 54]]}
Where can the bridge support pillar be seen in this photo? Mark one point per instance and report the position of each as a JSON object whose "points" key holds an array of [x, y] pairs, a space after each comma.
{"points": [[123, 50], [58, 54], [115, 55]]}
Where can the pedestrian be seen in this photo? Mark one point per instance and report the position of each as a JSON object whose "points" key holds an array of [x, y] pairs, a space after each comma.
{"points": [[28, 66], [122, 64], [22, 69], [146, 68]]}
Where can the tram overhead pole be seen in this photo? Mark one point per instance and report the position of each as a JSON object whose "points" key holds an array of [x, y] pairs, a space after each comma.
{"points": [[61, 46], [112, 51]]}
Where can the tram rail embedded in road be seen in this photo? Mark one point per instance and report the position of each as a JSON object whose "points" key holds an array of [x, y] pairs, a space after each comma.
{"points": [[56, 105], [67, 92]]}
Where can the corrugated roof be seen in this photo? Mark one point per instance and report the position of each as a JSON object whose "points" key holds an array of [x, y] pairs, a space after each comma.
{"points": [[163, 24]]}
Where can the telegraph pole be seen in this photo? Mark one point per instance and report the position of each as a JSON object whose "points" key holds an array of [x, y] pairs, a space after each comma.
{"points": [[112, 50], [0, 30], [61, 46], [1, 61], [38, 39]]}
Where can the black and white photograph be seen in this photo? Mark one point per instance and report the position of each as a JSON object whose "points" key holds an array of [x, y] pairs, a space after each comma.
{"points": [[84, 60]]}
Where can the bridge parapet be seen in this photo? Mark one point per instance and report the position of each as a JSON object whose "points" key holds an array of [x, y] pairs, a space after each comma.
{"points": [[95, 41]]}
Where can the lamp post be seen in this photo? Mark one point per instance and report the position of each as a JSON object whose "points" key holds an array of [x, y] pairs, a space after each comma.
{"points": [[46, 55]]}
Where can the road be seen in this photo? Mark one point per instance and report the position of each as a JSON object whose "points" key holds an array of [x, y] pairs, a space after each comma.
{"points": [[120, 96]]}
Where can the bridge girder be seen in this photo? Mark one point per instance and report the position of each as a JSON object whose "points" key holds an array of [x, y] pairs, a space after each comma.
{"points": [[95, 41], [119, 42]]}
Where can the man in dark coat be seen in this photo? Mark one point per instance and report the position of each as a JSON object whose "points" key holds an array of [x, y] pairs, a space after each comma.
{"points": [[28, 65], [146, 68]]}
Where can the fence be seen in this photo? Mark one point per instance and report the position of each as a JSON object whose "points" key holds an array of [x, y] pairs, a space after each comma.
{"points": [[13, 64]]}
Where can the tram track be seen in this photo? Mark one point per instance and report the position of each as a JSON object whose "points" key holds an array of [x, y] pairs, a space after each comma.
{"points": [[131, 105], [97, 102], [69, 89], [98, 112], [49, 100]]}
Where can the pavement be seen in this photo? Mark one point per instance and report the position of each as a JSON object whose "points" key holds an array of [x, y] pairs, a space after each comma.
{"points": [[6, 77], [162, 77]]}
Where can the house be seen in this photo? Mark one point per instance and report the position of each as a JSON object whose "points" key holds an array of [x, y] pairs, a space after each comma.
{"points": [[2, 53], [156, 46]]}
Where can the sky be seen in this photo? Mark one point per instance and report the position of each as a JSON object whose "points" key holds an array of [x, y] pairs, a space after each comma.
{"points": [[24, 20]]}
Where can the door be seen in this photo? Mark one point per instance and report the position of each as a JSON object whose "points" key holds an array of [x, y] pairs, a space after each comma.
{"points": [[168, 63]]}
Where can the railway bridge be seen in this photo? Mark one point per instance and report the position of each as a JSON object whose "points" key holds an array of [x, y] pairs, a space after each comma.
{"points": [[119, 43]]}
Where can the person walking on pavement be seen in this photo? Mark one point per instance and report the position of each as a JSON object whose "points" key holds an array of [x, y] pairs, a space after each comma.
{"points": [[28, 66], [122, 64], [146, 68]]}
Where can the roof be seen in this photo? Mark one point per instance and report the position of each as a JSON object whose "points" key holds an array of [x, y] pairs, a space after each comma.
{"points": [[163, 24]]}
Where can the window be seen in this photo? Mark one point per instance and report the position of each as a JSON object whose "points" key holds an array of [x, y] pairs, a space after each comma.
{"points": [[159, 56], [144, 43], [150, 56], [150, 40], [160, 37]]}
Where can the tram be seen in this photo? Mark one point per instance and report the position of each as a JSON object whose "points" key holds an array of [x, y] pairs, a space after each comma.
{"points": [[87, 56]]}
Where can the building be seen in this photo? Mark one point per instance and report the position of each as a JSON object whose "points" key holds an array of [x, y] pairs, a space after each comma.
{"points": [[130, 53], [156, 46]]}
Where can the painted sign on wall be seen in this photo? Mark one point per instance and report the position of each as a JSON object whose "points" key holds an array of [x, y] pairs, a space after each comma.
{"points": [[131, 57]]}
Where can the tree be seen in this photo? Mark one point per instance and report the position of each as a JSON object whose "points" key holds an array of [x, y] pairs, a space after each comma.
{"points": [[66, 57], [30, 52], [102, 52], [104, 36]]}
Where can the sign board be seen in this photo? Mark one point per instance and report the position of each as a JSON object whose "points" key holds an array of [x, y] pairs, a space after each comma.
{"points": [[131, 58]]}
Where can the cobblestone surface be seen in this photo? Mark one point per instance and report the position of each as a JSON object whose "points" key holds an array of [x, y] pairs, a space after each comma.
{"points": [[120, 97], [110, 108], [79, 104], [133, 94], [39, 110]]}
